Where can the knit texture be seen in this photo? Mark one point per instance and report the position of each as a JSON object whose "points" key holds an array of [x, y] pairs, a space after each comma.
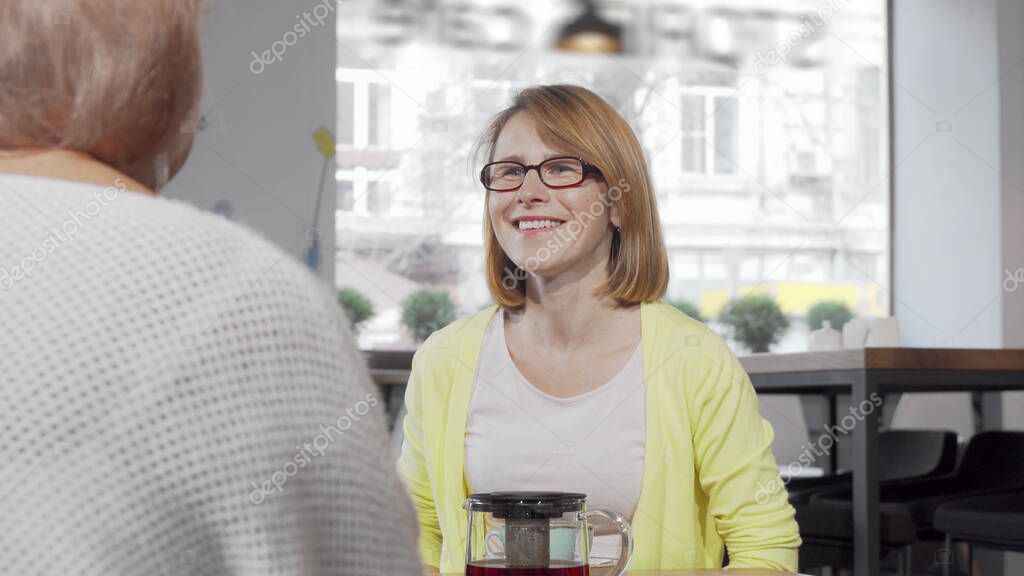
{"points": [[178, 396]]}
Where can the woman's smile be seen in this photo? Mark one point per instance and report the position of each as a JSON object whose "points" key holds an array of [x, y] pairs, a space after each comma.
{"points": [[536, 225]]}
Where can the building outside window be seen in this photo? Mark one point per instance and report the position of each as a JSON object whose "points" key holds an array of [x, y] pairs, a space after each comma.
{"points": [[765, 126]]}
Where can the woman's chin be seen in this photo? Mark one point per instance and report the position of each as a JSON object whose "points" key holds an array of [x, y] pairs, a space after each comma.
{"points": [[536, 266]]}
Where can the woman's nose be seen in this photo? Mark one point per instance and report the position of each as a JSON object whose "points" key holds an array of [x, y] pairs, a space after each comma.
{"points": [[532, 190]]}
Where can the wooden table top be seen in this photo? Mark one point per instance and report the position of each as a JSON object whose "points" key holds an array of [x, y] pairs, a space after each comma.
{"points": [[712, 572], [708, 572], [902, 358], [391, 367]]}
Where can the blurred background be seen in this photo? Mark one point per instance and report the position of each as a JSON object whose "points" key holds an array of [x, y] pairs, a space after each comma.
{"points": [[765, 125]]}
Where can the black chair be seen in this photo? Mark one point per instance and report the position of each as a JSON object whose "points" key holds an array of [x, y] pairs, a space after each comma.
{"points": [[902, 454], [994, 521], [992, 462]]}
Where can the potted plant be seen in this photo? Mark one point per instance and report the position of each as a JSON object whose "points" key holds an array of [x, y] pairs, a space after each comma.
{"points": [[755, 321], [426, 311], [686, 307], [357, 307], [832, 310]]}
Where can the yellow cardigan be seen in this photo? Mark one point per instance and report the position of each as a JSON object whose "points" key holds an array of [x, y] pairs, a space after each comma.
{"points": [[709, 473]]}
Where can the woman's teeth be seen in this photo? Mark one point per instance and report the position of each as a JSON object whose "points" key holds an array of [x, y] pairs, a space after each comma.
{"points": [[535, 224]]}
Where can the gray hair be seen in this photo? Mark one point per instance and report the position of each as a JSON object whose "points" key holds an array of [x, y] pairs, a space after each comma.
{"points": [[115, 79]]}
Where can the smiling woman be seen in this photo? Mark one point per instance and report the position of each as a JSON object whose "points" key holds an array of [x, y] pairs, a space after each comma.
{"points": [[580, 380], [569, 118]]}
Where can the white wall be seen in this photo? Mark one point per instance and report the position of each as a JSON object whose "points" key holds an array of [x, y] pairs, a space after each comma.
{"points": [[958, 194], [256, 150], [946, 201], [1011, 104]]}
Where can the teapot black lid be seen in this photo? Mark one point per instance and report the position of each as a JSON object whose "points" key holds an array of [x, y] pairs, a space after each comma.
{"points": [[526, 505]]}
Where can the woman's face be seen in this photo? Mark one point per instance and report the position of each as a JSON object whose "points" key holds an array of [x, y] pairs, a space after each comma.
{"points": [[547, 231]]}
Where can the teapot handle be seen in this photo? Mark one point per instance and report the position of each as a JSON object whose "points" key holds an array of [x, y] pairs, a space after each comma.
{"points": [[627, 537]]}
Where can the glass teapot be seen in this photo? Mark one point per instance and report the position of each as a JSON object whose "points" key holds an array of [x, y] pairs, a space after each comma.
{"points": [[535, 534]]}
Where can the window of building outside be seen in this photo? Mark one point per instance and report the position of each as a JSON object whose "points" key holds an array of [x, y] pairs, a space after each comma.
{"points": [[765, 125]]}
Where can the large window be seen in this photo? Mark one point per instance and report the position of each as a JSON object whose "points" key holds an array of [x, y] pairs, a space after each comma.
{"points": [[709, 130], [765, 125]]}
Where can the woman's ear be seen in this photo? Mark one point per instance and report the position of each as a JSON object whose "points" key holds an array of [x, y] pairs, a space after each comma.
{"points": [[615, 215]]}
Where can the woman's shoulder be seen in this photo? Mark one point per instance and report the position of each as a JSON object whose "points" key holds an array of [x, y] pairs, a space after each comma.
{"points": [[193, 265], [236, 259], [672, 333], [112, 214], [458, 338]]}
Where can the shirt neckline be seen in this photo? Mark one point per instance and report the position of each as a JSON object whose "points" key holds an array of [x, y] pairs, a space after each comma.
{"points": [[498, 323]]}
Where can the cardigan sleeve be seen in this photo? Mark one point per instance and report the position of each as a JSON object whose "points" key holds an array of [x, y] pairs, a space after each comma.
{"points": [[412, 468], [735, 465]]}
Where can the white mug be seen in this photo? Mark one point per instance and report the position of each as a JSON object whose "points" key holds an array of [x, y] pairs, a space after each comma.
{"points": [[855, 332], [883, 332]]}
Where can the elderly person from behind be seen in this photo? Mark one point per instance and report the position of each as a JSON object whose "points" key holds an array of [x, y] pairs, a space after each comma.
{"points": [[177, 396]]}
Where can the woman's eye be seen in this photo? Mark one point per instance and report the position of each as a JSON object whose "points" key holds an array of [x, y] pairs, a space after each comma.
{"points": [[509, 172], [562, 169]]}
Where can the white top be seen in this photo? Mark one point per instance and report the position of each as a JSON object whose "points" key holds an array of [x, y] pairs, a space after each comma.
{"points": [[520, 438], [178, 396]]}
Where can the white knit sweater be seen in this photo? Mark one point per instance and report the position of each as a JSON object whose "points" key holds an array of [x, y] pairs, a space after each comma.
{"points": [[177, 396]]}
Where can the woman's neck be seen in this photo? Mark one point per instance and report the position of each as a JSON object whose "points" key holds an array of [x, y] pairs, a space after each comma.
{"points": [[66, 165], [563, 313]]}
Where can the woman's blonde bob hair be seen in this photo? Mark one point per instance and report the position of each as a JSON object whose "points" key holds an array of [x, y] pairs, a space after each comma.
{"points": [[576, 121], [115, 79]]}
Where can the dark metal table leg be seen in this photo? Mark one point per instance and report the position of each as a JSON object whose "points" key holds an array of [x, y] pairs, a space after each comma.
{"points": [[989, 416], [865, 402], [947, 556], [833, 458]]}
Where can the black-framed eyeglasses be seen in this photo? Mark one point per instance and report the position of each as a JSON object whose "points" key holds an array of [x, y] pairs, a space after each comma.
{"points": [[559, 172]]}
